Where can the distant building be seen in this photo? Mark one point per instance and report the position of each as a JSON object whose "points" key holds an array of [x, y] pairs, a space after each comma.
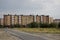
{"points": [[12, 19], [51, 19], [20, 20], [56, 20], [7, 20], [26, 19], [44, 19], [1, 21], [38, 19], [16, 19]]}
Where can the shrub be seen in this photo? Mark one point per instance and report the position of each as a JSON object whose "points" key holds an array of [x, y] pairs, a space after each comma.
{"points": [[17, 26], [53, 25], [44, 25], [33, 25], [59, 25], [1, 26], [5, 26]]}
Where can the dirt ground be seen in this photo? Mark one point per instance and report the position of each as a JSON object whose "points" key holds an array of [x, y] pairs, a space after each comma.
{"points": [[5, 36]]}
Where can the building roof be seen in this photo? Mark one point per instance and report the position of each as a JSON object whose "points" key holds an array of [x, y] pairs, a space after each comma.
{"points": [[57, 20]]}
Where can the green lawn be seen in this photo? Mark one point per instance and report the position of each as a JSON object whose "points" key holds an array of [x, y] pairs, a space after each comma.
{"points": [[39, 30]]}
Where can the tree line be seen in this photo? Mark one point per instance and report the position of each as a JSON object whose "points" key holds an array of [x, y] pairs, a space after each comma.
{"points": [[34, 25]]}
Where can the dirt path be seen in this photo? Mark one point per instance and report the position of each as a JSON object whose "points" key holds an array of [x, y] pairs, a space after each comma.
{"points": [[6, 36]]}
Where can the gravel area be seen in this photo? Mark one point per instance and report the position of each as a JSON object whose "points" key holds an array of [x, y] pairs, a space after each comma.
{"points": [[5, 36]]}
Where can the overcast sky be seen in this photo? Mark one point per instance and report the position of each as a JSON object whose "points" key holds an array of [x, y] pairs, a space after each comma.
{"points": [[33, 7]]}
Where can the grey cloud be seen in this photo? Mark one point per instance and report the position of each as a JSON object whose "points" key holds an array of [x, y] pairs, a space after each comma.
{"points": [[46, 7]]}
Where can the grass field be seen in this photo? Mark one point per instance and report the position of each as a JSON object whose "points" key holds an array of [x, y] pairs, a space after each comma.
{"points": [[39, 30]]}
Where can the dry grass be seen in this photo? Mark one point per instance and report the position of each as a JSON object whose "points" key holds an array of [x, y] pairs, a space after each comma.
{"points": [[40, 30]]}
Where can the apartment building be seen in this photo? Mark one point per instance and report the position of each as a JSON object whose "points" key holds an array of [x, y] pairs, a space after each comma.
{"points": [[26, 19], [13, 20], [38, 18], [7, 20], [20, 19], [47, 19], [44, 19], [56, 21], [1, 21], [51, 19], [16, 19]]}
